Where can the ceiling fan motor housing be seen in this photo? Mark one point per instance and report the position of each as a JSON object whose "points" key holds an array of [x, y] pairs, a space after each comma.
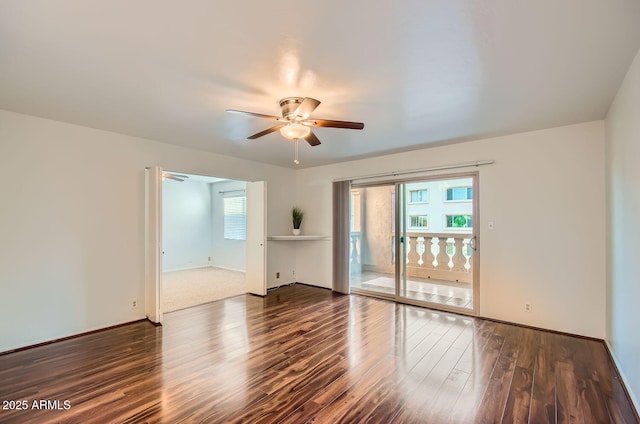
{"points": [[289, 105]]}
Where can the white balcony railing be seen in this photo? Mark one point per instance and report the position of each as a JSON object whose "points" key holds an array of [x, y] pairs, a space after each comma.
{"points": [[429, 256]]}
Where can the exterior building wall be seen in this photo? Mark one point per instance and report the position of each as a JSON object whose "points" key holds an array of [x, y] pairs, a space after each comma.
{"points": [[376, 228], [437, 207]]}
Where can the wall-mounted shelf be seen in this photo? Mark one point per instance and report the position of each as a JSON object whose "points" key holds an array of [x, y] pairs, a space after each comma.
{"points": [[296, 238]]}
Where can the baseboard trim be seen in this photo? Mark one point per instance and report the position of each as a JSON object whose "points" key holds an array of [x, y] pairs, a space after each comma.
{"points": [[297, 282], [228, 269], [281, 285], [313, 285], [155, 324], [74, 336], [204, 266], [616, 366], [187, 268], [531, 327]]}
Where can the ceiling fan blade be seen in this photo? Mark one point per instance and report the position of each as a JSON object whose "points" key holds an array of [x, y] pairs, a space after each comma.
{"points": [[336, 124], [307, 106], [312, 139], [176, 175], [265, 132], [259, 115]]}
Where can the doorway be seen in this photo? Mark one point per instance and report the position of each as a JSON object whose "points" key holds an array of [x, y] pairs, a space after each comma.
{"points": [[415, 241], [204, 239], [253, 251]]}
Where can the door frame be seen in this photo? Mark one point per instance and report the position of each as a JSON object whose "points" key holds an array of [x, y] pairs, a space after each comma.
{"points": [[153, 244]]}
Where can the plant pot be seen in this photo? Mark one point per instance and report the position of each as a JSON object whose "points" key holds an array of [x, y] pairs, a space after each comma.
{"points": [[296, 231]]}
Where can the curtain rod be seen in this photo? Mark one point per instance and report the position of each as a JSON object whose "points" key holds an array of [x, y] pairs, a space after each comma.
{"points": [[231, 191], [417, 171]]}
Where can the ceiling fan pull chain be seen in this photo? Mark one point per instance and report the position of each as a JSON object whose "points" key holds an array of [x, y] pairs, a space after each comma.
{"points": [[295, 149]]}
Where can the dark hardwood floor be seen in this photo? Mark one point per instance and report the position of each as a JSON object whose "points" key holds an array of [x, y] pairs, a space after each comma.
{"points": [[303, 354]]}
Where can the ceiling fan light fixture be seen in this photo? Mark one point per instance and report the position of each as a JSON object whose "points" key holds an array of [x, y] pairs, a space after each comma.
{"points": [[295, 131]]}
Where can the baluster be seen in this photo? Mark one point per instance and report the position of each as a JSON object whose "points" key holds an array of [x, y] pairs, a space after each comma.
{"points": [[450, 248], [443, 257], [355, 254], [458, 258], [466, 251], [429, 258], [407, 243], [420, 249], [412, 252]]}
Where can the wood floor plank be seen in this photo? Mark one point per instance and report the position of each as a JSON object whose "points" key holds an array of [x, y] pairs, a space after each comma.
{"points": [[484, 359], [543, 407], [607, 383], [306, 355], [518, 403], [493, 404], [359, 370], [422, 383], [394, 404]]}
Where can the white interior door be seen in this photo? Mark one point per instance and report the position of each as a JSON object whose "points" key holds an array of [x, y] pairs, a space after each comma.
{"points": [[153, 243], [256, 274]]}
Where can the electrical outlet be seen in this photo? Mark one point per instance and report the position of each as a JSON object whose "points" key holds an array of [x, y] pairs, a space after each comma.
{"points": [[134, 304], [277, 275], [527, 307]]}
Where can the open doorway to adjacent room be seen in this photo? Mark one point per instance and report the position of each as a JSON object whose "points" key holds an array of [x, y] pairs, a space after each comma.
{"points": [[203, 239]]}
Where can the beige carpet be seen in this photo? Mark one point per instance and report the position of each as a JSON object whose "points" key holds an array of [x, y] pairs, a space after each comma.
{"points": [[183, 289]]}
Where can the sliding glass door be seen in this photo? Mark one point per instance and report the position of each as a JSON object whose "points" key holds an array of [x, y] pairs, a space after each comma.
{"points": [[415, 241]]}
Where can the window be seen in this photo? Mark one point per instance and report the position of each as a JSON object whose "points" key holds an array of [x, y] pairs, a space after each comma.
{"points": [[459, 193], [418, 221], [235, 218], [459, 221], [418, 196]]}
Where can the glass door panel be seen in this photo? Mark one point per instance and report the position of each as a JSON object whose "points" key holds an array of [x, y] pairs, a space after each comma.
{"points": [[437, 216], [372, 247]]}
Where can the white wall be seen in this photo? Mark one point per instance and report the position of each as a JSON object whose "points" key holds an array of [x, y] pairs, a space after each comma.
{"points": [[186, 224], [623, 212], [230, 254], [545, 189], [72, 223]]}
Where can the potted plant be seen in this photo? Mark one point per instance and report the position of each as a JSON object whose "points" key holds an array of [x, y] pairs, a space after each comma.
{"points": [[297, 214]]}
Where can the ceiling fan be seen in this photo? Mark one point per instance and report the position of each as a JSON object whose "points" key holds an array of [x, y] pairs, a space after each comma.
{"points": [[295, 124]]}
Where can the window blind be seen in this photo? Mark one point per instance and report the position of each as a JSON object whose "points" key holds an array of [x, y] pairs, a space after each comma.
{"points": [[235, 218]]}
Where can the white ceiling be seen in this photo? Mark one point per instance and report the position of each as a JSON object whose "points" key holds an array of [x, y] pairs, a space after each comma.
{"points": [[416, 72]]}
